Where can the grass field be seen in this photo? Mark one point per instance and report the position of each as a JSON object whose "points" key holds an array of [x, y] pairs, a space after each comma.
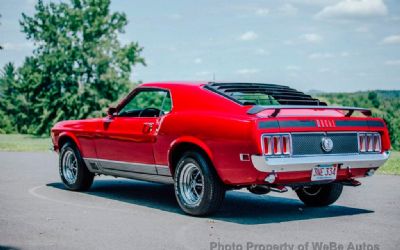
{"points": [[29, 143], [392, 166], [24, 143]]}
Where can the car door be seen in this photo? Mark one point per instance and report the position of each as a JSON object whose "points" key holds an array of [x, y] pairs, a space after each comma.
{"points": [[125, 140]]}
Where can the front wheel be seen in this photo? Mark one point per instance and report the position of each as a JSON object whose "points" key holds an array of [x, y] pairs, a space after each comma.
{"points": [[73, 171], [320, 195], [198, 189]]}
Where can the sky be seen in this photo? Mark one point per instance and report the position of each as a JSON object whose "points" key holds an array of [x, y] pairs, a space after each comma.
{"points": [[324, 45]]}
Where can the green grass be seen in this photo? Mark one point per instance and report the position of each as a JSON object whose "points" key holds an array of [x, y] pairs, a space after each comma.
{"points": [[29, 143], [24, 143], [392, 166]]}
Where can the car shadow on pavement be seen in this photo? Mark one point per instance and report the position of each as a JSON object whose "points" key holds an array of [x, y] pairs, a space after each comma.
{"points": [[238, 207]]}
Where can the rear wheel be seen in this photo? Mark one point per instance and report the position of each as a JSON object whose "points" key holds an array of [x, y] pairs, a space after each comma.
{"points": [[73, 171], [198, 189], [320, 195]]}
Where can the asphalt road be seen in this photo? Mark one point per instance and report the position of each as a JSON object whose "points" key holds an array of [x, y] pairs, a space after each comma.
{"points": [[36, 212]]}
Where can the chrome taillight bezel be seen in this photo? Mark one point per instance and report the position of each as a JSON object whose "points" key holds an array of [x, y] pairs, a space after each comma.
{"points": [[282, 138], [369, 142]]}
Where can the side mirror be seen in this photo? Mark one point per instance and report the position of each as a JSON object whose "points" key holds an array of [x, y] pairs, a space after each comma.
{"points": [[111, 111]]}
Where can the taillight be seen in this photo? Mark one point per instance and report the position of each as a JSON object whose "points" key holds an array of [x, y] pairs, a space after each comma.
{"points": [[369, 142], [277, 144]]}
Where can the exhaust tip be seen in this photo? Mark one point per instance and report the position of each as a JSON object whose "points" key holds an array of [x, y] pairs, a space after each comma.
{"points": [[370, 172]]}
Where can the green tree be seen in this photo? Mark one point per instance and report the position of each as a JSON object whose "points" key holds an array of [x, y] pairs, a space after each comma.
{"points": [[373, 97], [7, 86], [78, 65]]}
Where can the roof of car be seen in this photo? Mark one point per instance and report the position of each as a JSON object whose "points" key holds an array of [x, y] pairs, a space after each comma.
{"points": [[284, 95], [169, 83]]}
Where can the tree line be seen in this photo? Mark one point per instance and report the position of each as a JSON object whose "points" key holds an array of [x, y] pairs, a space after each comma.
{"points": [[383, 103], [77, 69]]}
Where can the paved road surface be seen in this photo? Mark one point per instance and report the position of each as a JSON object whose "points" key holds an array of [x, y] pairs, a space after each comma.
{"points": [[36, 212]]}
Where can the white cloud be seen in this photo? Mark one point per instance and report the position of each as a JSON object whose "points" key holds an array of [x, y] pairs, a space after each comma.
{"points": [[395, 39], [393, 62], [354, 9], [247, 71], [262, 52], [175, 16], [362, 29], [288, 42], [321, 55], [198, 61], [324, 70], [262, 11], [293, 68], [248, 36], [31, 3], [18, 46], [312, 38], [327, 55], [313, 2], [203, 73], [288, 9]]}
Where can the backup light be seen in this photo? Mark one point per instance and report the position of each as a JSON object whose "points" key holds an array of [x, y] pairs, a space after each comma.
{"points": [[276, 144], [369, 142]]}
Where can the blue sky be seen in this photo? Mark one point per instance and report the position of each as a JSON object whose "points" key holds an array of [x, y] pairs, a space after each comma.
{"points": [[328, 45]]}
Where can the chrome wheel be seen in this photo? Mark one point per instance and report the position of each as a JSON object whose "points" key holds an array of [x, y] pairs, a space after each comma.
{"points": [[70, 167], [191, 184]]}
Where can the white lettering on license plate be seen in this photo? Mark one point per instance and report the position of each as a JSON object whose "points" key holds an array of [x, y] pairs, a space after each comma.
{"points": [[324, 172]]}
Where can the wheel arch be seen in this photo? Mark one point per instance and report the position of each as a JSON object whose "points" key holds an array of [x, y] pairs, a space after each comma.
{"points": [[185, 144], [68, 137]]}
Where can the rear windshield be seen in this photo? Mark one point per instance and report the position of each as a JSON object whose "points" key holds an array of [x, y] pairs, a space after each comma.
{"points": [[263, 94], [254, 98]]}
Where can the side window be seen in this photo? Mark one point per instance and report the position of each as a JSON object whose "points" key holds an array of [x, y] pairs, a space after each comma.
{"points": [[167, 104], [147, 103]]}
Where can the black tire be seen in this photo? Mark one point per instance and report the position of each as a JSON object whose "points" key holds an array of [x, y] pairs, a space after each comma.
{"points": [[320, 195], [81, 178], [212, 191]]}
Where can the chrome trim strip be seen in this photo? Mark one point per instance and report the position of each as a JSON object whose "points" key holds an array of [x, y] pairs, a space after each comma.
{"points": [[163, 170], [133, 167], [291, 164], [140, 176]]}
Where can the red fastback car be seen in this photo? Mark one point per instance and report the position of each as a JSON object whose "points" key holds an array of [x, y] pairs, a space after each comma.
{"points": [[207, 138]]}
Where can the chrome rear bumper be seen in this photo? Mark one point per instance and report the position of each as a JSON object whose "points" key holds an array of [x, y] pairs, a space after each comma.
{"points": [[304, 163]]}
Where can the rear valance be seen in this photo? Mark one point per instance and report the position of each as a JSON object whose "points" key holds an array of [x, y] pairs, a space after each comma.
{"points": [[277, 108]]}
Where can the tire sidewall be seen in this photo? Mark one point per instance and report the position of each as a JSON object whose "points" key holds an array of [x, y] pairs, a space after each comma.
{"points": [[81, 167], [327, 195], [202, 164]]}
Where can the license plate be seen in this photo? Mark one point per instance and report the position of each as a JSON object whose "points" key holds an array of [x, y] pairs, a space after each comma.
{"points": [[324, 172]]}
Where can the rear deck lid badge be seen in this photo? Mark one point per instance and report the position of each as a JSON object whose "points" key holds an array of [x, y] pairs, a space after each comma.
{"points": [[327, 144]]}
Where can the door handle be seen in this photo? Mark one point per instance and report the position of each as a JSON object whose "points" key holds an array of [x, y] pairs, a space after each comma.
{"points": [[147, 127]]}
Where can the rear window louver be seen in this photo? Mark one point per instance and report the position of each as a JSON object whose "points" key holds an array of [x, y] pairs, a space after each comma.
{"points": [[269, 94]]}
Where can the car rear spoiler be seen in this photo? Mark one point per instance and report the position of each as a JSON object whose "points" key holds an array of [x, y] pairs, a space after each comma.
{"points": [[350, 110]]}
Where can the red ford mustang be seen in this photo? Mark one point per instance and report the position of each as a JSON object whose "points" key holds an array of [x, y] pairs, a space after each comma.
{"points": [[207, 138]]}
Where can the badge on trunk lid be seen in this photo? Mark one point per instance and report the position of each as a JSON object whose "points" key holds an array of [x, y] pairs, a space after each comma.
{"points": [[327, 144]]}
